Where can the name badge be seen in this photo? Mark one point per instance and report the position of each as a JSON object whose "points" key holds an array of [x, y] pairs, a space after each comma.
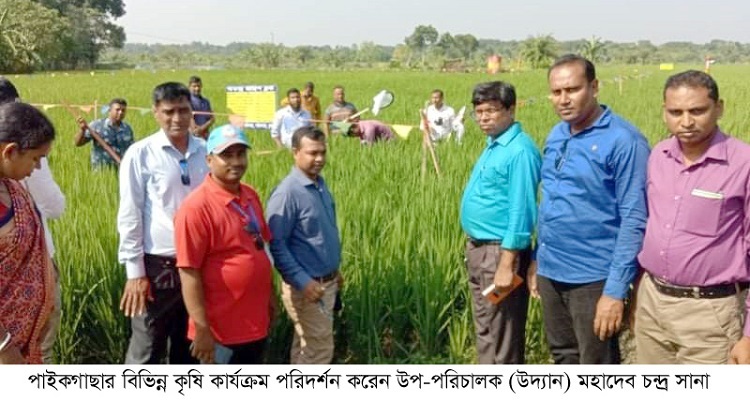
{"points": [[707, 194]]}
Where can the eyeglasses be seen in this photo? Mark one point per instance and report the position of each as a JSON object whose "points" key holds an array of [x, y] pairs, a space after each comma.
{"points": [[184, 173], [561, 154], [477, 114]]}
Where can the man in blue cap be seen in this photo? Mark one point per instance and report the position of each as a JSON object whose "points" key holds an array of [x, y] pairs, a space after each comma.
{"points": [[220, 237]]}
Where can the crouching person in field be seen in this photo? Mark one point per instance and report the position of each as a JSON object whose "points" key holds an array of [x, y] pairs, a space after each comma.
{"points": [[306, 248], [220, 236]]}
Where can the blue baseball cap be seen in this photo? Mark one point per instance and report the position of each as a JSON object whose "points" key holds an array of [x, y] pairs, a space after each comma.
{"points": [[224, 137]]}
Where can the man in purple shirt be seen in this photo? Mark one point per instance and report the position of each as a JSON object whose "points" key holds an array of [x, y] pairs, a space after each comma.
{"points": [[370, 131], [695, 252]]}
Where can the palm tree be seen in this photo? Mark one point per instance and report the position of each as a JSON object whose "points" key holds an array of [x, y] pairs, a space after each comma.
{"points": [[593, 49], [539, 51]]}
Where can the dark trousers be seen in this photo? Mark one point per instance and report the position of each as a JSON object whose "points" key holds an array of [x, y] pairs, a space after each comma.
{"points": [[569, 311], [500, 328], [248, 353], [162, 330]]}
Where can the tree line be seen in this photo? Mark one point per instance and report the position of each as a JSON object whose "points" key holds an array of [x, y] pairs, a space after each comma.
{"points": [[57, 34]]}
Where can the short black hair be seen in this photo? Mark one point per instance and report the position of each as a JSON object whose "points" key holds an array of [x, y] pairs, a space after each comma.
{"points": [[312, 133], [195, 79], [119, 101], [292, 91], [587, 65], [170, 91], [309, 84], [8, 91], [438, 91], [693, 79], [24, 125], [499, 91]]}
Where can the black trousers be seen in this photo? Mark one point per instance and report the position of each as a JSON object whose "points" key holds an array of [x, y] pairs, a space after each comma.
{"points": [[161, 332], [569, 311]]}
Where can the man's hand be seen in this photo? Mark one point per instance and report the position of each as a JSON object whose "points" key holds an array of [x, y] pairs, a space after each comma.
{"points": [[137, 292], [608, 319], [11, 355], [504, 272], [740, 353], [313, 291], [82, 124], [531, 281], [203, 345]]}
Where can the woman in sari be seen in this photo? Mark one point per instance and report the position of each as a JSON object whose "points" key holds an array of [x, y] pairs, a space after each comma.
{"points": [[26, 273]]}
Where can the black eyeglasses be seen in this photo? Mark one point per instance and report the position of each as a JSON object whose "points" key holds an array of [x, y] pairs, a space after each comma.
{"points": [[561, 154], [184, 173]]}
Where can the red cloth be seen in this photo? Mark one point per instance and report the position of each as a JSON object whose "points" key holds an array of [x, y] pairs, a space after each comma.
{"points": [[210, 236]]}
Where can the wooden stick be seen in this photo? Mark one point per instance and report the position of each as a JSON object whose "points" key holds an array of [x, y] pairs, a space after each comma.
{"points": [[95, 135], [428, 143]]}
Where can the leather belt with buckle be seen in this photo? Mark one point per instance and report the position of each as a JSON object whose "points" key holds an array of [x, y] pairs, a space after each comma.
{"points": [[698, 292], [480, 243], [327, 278]]}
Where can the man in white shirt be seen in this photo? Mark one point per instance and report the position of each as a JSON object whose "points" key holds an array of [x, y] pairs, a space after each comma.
{"points": [[50, 201], [289, 118], [442, 119], [156, 174]]}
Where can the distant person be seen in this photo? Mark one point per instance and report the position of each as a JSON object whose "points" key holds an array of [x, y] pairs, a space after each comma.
{"points": [[306, 248], [310, 102], [339, 110], [442, 119], [220, 237], [203, 116], [156, 175], [368, 131], [592, 216], [288, 119], [689, 301], [50, 201], [113, 130], [27, 275], [498, 214]]}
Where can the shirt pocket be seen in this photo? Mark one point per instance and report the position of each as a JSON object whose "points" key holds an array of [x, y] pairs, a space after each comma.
{"points": [[700, 215]]}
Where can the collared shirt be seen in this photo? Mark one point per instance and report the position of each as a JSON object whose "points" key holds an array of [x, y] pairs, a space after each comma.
{"points": [[48, 198], [372, 131], [211, 236], [312, 105], [698, 228], [440, 121], [200, 104], [499, 202], [592, 214], [339, 112], [119, 138], [302, 217], [286, 121], [151, 191]]}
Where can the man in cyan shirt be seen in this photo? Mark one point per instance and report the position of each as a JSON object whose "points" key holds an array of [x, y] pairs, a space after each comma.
{"points": [[689, 301], [498, 213], [592, 217]]}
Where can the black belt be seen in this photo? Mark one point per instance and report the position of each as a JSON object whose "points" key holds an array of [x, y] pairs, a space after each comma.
{"points": [[480, 243], [698, 292], [327, 278]]}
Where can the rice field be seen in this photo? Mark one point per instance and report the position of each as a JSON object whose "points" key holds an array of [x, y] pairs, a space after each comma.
{"points": [[406, 298]]}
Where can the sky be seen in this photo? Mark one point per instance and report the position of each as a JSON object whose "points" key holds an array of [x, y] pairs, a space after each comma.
{"points": [[388, 22]]}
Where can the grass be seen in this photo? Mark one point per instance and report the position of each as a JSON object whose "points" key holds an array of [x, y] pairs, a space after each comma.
{"points": [[406, 297]]}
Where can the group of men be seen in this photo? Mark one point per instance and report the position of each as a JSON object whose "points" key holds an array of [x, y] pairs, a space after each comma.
{"points": [[663, 233]]}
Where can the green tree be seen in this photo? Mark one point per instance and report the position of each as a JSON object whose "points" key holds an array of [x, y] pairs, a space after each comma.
{"points": [[423, 37], [539, 51], [466, 44], [28, 35], [593, 49]]}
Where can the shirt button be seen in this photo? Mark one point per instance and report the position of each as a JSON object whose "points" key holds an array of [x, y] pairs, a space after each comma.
{"points": [[661, 253], [677, 197], [544, 244], [667, 226]]}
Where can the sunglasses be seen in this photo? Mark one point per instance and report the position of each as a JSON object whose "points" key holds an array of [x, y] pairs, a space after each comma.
{"points": [[184, 173]]}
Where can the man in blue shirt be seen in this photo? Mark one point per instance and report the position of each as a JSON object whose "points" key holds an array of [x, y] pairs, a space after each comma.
{"points": [[306, 248], [113, 130], [498, 213], [203, 116], [592, 218]]}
